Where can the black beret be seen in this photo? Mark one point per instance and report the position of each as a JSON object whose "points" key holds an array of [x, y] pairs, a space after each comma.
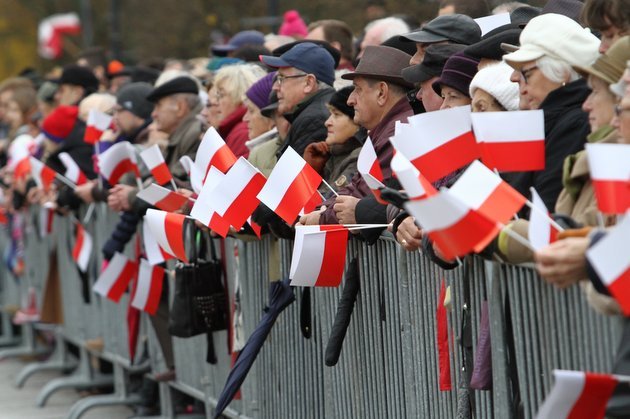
{"points": [[177, 85], [490, 44], [432, 64], [78, 76]]}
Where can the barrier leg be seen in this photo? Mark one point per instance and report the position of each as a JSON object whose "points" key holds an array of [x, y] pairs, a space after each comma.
{"points": [[28, 347], [121, 396], [8, 338], [83, 377], [60, 360]]}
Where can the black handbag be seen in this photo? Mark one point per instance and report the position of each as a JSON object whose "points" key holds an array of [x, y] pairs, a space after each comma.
{"points": [[200, 301]]}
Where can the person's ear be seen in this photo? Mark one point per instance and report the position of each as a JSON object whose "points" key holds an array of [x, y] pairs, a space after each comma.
{"points": [[382, 93]]}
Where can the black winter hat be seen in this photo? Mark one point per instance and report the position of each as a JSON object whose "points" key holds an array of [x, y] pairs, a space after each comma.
{"points": [[181, 84], [133, 97], [432, 64], [78, 76], [339, 100]]}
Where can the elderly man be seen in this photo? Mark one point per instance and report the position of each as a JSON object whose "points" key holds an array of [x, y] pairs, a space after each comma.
{"points": [[76, 82], [303, 84], [379, 100], [450, 29]]}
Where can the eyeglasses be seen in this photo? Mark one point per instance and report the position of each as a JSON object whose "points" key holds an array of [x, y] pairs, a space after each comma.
{"points": [[280, 78], [526, 72], [620, 109]]}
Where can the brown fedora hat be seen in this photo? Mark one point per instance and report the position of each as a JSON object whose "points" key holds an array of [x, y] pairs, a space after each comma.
{"points": [[382, 63]]}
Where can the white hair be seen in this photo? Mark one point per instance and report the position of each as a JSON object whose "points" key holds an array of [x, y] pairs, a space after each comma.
{"points": [[237, 78], [390, 26], [169, 75], [556, 70]]}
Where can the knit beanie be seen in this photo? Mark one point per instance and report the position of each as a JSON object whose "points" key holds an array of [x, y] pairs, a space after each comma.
{"points": [[60, 122], [132, 97], [293, 25], [339, 100], [457, 73], [495, 79], [259, 92]]}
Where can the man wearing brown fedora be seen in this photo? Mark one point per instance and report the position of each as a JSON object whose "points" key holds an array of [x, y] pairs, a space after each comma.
{"points": [[379, 100]]}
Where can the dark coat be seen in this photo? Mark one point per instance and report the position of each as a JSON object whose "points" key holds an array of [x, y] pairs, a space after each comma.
{"points": [[342, 162], [307, 122], [566, 129], [358, 188]]}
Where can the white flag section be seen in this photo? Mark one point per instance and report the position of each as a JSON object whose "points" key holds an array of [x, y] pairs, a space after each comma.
{"points": [[195, 175], [73, 171], [540, 231], [213, 151], [168, 230], [148, 288], [154, 252], [610, 174], [488, 23], [50, 33], [319, 256], [162, 198], [154, 160], [118, 160], [577, 395], [82, 249], [610, 257], [414, 184], [203, 210], [97, 123], [113, 281], [369, 166]]}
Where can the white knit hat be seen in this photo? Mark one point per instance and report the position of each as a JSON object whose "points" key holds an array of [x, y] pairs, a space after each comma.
{"points": [[495, 79]]}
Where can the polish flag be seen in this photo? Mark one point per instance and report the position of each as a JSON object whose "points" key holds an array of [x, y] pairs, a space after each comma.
{"points": [[50, 33], [315, 201], [46, 220], [256, 228], [44, 176], [415, 185], [611, 260], [578, 395], [438, 143], [610, 173], [155, 254], [203, 210], [511, 141], [97, 123], [168, 230], [82, 248], [162, 198], [118, 160], [148, 288], [194, 174], [319, 256], [482, 190], [154, 160], [541, 233], [234, 198], [114, 280], [22, 167], [454, 227], [73, 171], [290, 186], [214, 152], [370, 168]]}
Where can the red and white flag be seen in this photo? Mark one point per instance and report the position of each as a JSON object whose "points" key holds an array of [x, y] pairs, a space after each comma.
{"points": [[315, 201], [541, 232], [148, 288], [168, 230], [97, 123], [214, 152], [73, 171], [44, 176], [610, 258], [610, 174], [256, 228], [46, 220], [50, 33], [162, 198], [22, 167], [203, 210], [154, 160], [290, 186], [155, 254], [415, 185], [454, 227], [511, 141], [319, 256], [234, 198], [118, 160], [482, 190], [114, 280], [370, 168], [438, 143], [82, 248], [194, 174], [578, 395]]}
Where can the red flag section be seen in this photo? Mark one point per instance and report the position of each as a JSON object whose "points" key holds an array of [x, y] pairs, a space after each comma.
{"points": [[82, 248], [444, 361], [163, 198], [154, 160], [97, 123], [213, 152], [148, 288], [168, 230], [73, 171], [610, 174], [114, 280], [44, 176]]}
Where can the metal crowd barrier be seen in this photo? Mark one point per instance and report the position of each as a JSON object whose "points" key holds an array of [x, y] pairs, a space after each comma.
{"points": [[389, 363]]}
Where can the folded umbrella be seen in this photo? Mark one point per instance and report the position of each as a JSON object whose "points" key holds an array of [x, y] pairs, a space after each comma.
{"points": [[344, 312], [280, 297]]}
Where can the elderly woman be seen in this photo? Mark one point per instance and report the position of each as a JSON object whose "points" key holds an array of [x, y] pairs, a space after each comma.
{"points": [[492, 91], [231, 83], [454, 82], [551, 45]]}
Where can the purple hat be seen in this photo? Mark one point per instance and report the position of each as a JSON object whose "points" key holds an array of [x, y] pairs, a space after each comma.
{"points": [[241, 39], [259, 92], [458, 72]]}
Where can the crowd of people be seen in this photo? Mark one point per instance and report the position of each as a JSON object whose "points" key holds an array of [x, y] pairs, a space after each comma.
{"points": [[323, 91]]}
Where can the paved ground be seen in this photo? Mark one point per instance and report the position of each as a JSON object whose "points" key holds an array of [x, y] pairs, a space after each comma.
{"points": [[20, 403]]}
